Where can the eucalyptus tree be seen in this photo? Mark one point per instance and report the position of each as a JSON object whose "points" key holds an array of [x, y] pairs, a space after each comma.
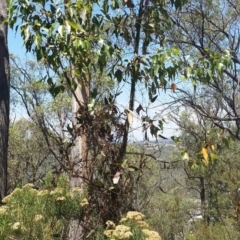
{"points": [[205, 32], [4, 98], [72, 39]]}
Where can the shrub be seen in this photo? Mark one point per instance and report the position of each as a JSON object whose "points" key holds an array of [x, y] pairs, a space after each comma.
{"points": [[132, 227], [29, 213]]}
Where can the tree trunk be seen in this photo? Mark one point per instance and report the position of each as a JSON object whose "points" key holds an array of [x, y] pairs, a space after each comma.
{"points": [[4, 99], [203, 196], [78, 158]]}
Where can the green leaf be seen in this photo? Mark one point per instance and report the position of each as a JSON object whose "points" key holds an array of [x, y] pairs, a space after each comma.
{"points": [[153, 99], [226, 142], [39, 54], [133, 168], [175, 139], [55, 90], [214, 157], [74, 25], [161, 136], [154, 130], [91, 233], [50, 81], [118, 75], [38, 40]]}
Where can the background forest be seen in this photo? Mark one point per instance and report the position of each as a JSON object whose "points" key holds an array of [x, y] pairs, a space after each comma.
{"points": [[90, 154]]}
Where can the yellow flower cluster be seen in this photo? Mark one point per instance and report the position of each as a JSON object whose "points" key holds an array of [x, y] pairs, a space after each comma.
{"points": [[28, 185], [57, 191], [59, 199], [43, 193], [120, 232], [133, 215], [137, 217], [16, 226], [3, 209], [38, 217], [84, 202], [14, 192], [151, 235], [110, 224], [124, 232]]}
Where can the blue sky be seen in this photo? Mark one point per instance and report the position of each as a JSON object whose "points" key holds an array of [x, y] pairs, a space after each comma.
{"points": [[15, 44]]}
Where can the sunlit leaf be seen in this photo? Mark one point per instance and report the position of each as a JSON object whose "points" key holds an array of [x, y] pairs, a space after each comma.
{"points": [[67, 26], [130, 115], [204, 152], [211, 145], [116, 177], [214, 156], [103, 154], [60, 30], [185, 155], [26, 34]]}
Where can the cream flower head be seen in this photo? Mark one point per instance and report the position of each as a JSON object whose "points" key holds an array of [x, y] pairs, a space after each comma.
{"points": [[43, 192], [59, 199], [135, 215], [38, 217], [3, 209], [151, 235], [16, 226], [28, 185], [110, 224], [122, 232], [84, 202]]}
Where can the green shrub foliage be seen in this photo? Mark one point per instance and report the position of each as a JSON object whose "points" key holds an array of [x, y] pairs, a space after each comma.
{"points": [[28, 213]]}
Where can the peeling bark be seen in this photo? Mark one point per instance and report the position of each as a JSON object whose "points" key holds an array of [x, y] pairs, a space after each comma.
{"points": [[79, 159]]}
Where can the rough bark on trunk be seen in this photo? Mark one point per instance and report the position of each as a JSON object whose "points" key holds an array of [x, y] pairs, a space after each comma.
{"points": [[78, 157], [4, 99]]}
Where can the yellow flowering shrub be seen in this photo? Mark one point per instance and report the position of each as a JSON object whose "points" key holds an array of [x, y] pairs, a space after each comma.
{"points": [[132, 227], [29, 213]]}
